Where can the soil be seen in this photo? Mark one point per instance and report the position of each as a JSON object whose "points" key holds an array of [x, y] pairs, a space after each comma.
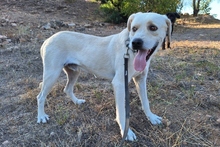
{"points": [[183, 83]]}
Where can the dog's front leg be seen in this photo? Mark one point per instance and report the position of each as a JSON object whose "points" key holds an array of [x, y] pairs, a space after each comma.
{"points": [[119, 92], [140, 82]]}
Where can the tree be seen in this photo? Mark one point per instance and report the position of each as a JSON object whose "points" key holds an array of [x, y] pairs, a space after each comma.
{"points": [[118, 10], [196, 4], [201, 5], [205, 6]]}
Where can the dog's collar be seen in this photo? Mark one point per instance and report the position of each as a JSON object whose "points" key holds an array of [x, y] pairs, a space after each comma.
{"points": [[127, 45]]}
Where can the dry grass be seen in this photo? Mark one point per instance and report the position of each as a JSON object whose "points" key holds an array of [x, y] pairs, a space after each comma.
{"points": [[183, 88]]}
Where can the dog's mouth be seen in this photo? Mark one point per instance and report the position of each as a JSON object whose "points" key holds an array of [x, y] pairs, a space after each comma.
{"points": [[140, 60]]}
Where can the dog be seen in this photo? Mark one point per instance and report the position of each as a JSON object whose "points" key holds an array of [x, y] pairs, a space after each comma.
{"points": [[172, 17], [103, 56]]}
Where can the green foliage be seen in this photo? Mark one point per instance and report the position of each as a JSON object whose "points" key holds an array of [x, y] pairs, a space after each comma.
{"points": [[201, 6], [204, 6], [113, 10], [118, 10], [112, 14], [179, 7]]}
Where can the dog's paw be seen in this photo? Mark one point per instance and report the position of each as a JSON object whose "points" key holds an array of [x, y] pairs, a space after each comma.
{"points": [[80, 101], [131, 136], [40, 85], [154, 119], [43, 118]]}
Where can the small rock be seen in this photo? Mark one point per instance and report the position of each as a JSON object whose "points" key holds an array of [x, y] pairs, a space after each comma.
{"points": [[8, 40], [101, 24], [14, 24], [16, 47], [164, 130], [48, 10], [3, 37], [3, 44], [10, 49], [208, 116], [22, 39], [211, 78], [87, 25], [4, 20], [218, 120], [184, 142], [71, 25], [52, 134], [166, 122], [107, 24], [6, 142], [47, 26], [4, 24], [59, 23]]}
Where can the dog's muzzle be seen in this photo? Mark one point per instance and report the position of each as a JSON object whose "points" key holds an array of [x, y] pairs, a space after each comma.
{"points": [[137, 44]]}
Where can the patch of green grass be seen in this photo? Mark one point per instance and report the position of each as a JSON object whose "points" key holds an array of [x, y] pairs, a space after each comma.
{"points": [[189, 92], [23, 30], [180, 76], [62, 115], [211, 68], [97, 94]]}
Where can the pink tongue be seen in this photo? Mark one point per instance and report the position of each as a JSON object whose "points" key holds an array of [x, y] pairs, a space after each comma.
{"points": [[140, 60]]}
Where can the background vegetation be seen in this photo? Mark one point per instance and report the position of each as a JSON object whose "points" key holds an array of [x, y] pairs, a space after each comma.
{"points": [[117, 11], [201, 6]]}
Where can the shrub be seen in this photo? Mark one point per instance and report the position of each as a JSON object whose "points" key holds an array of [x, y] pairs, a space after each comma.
{"points": [[117, 11]]}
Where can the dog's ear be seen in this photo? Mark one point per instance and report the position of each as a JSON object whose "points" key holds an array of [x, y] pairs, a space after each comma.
{"points": [[169, 30], [130, 19], [177, 15]]}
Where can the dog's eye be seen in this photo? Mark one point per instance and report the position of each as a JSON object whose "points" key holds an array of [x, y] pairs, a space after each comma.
{"points": [[153, 28], [134, 29]]}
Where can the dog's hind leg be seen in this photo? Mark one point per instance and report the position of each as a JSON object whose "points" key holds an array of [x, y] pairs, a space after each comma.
{"points": [[72, 76], [49, 78]]}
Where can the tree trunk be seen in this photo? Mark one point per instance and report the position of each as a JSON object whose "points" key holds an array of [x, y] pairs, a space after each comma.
{"points": [[196, 7]]}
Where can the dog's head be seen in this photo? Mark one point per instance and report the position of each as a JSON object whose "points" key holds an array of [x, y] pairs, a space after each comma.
{"points": [[146, 33], [173, 16]]}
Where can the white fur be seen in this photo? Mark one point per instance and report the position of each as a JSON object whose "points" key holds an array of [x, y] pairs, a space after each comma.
{"points": [[102, 56]]}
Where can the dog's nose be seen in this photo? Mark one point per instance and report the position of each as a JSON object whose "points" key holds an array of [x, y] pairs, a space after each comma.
{"points": [[137, 43]]}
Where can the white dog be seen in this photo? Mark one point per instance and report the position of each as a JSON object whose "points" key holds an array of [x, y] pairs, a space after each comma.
{"points": [[103, 56]]}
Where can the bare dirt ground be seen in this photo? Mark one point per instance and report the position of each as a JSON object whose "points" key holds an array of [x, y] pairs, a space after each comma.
{"points": [[183, 83]]}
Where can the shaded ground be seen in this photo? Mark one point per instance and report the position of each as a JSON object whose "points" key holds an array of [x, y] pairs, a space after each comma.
{"points": [[183, 83]]}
